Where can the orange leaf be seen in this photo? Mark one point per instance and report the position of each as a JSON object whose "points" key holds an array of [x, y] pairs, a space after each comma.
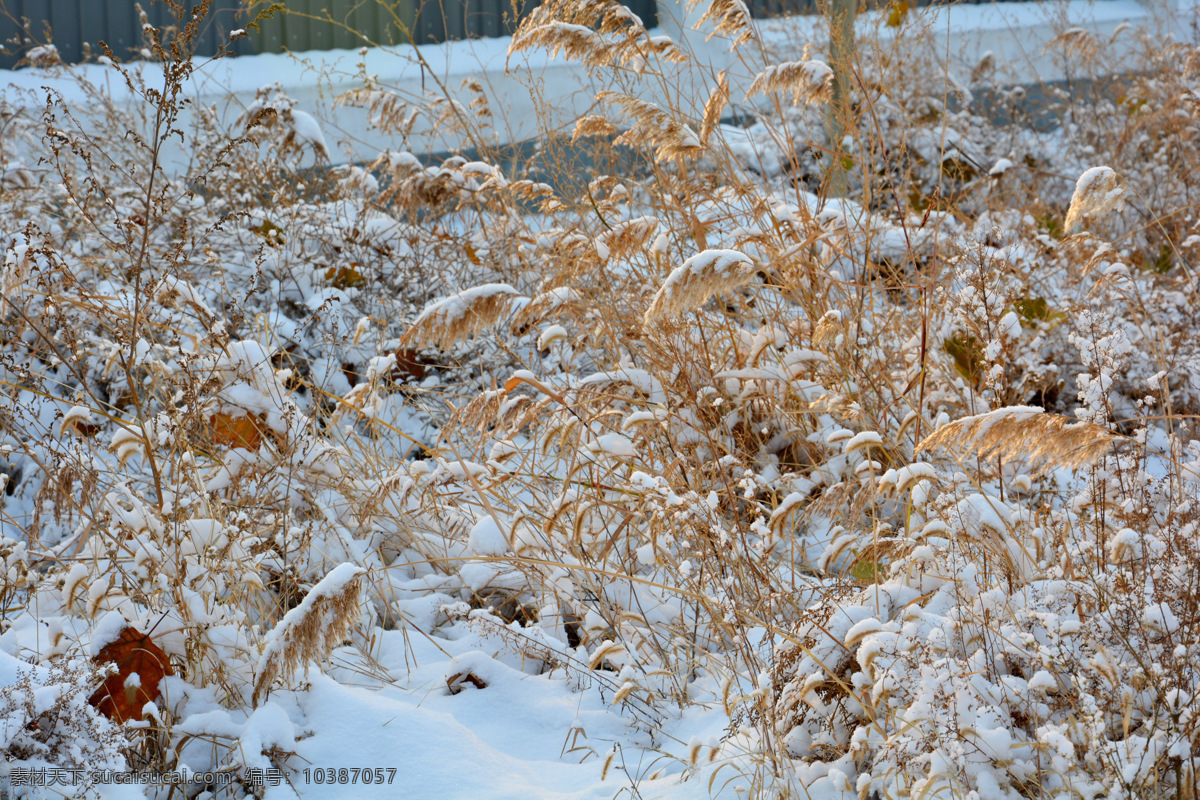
{"points": [[122, 695], [896, 13], [230, 431], [517, 380]]}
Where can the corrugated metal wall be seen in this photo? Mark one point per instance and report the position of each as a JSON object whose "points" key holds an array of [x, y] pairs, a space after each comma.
{"points": [[76, 22], [761, 9], [308, 25], [324, 24]]}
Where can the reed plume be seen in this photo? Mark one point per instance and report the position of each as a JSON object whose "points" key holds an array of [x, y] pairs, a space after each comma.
{"points": [[311, 630], [700, 277], [458, 316], [1047, 441], [807, 81]]}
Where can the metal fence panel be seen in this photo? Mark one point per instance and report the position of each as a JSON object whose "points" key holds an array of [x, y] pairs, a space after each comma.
{"points": [[307, 25], [326, 24], [77, 25], [762, 9]]}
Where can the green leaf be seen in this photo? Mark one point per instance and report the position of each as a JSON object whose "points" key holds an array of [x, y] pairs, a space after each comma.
{"points": [[867, 571], [968, 356], [1033, 310], [1051, 225]]}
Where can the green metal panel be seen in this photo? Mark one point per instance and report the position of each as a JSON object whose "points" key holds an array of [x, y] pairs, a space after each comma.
{"points": [[398, 22], [115, 22], [761, 9]]}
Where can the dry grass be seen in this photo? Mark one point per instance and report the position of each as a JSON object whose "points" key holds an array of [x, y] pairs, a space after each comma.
{"points": [[1045, 441], [311, 630], [699, 278], [466, 313], [701, 479]]}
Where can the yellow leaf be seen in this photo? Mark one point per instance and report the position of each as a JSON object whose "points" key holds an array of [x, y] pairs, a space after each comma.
{"points": [[345, 277]]}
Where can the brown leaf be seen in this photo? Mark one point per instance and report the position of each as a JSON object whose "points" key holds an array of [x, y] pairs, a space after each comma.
{"points": [[409, 365], [122, 696], [455, 682]]}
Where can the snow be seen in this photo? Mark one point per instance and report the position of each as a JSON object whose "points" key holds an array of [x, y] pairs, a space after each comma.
{"points": [[550, 335], [1160, 617], [617, 445], [486, 538], [860, 440], [108, 629], [502, 742]]}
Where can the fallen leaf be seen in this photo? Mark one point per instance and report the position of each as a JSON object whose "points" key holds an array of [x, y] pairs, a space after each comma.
{"points": [[229, 431], [409, 365], [141, 664], [345, 277], [455, 682]]}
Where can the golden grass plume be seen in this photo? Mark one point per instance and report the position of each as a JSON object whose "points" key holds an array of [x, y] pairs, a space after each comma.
{"points": [[713, 108], [700, 277], [807, 81], [729, 18], [576, 42], [592, 125], [625, 237], [311, 630], [1098, 190], [386, 111], [651, 126], [458, 316], [1047, 441]]}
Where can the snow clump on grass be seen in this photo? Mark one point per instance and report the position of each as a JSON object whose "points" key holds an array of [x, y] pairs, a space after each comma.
{"points": [[700, 277], [807, 81], [1097, 191]]}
